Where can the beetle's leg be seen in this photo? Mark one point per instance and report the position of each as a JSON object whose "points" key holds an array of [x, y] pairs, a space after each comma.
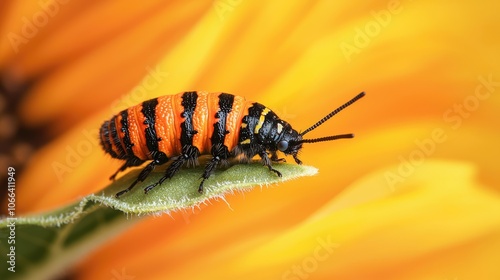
{"points": [[274, 157], [220, 153], [129, 163], [159, 158], [209, 168], [189, 153], [267, 162], [297, 160]]}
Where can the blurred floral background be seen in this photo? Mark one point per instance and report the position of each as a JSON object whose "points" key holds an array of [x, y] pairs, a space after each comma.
{"points": [[416, 194]]}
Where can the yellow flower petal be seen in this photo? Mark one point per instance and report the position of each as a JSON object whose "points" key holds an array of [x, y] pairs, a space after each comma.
{"points": [[432, 77]]}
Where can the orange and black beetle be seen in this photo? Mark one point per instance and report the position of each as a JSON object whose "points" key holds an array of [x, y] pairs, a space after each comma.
{"points": [[189, 124]]}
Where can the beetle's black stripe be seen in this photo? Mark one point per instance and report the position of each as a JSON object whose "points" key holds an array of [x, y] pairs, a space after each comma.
{"points": [[116, 139], [268, 124], [225, 106], [106, 140], [251, 121], [187, 130], [126, 136], [149, 112]]}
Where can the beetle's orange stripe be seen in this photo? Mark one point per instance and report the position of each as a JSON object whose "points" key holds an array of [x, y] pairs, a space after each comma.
{"points": [[135, 134], [165, 125], [233, 122], [212, 108], [140, 118]]}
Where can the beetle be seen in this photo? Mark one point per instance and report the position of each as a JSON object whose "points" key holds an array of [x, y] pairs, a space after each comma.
{"points": [[181, 127]]}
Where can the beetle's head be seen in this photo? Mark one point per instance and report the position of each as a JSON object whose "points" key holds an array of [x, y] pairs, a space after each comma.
{"points": [[290, 143]]}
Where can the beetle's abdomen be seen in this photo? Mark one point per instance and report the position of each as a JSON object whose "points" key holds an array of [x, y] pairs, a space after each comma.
{"points": [[169, 123]]}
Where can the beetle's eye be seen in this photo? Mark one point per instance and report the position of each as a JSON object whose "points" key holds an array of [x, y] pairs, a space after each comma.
{"points": [[282, 146]]}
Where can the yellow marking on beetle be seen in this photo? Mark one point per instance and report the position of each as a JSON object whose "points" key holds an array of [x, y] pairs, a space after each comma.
{"points": [[247, 141], [280, 128], [261, 120], [243, 125]]}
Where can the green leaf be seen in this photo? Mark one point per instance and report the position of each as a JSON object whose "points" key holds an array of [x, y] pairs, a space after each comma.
{"points": [[47, 244]]}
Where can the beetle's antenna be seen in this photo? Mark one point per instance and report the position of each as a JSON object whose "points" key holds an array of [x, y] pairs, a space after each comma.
{"points": [[327, 138], [333, 113]]}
